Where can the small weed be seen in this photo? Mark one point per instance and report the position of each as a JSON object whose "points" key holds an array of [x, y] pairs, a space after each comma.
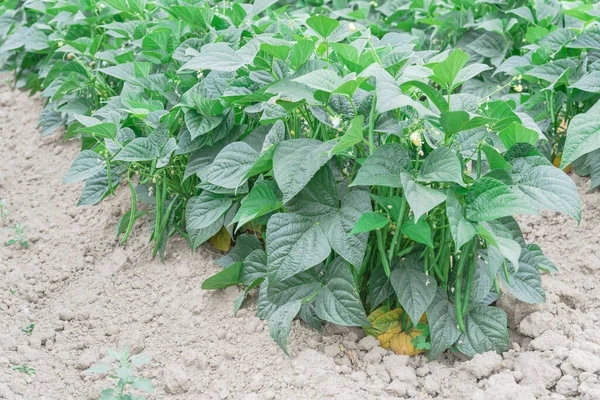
{"points": [[26, 369], [18, 236], [3, 211], [123, 376], [28, 329], [12, 290]]}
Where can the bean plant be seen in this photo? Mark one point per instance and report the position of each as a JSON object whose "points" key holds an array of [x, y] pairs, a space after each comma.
{"points": [[367, 159]]}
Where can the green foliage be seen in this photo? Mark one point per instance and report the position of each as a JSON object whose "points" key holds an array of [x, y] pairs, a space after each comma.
{"points": [[357, 157], [18, 236], [123, 376], [28, 329], [24, 368]]}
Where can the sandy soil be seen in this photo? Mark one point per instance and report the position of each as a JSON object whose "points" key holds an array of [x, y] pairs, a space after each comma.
{"points": [[87, 295]]}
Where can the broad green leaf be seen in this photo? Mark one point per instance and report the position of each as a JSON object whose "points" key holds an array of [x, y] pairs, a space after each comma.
{"points": [[380, 287], [222, 279], [245, 244], [525, 283], [517, 133], [545, 187], [143, 384], [338, 301], [321, 79], [353, 136], [485, 331], [583, 135], [498, 235], [495, 159], [260, 201], [414, 289], [441, 165], [441, 318], [588, 83], [300, 286], [461, 229], [295, 162], [254, 267], [490, 198], [216, 57], [294, 244], [87, 164], [419, 232], [280, 322], [231, 165], [323, 25], [421, 199], [384, 167], [98, 369], [301, 52], [446, 72], [204, 216], [370, 222], [533, 255], [139, 149]]}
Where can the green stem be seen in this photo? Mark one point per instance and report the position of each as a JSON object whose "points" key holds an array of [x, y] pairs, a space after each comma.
{"points": [[133, 211]]}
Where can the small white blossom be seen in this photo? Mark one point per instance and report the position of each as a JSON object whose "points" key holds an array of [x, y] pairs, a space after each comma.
{"points": [[415, 138], [336, 121], [352, 27]]}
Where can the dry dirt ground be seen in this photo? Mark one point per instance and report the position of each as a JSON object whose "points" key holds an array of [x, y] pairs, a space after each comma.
{"points": [[86, 294]]}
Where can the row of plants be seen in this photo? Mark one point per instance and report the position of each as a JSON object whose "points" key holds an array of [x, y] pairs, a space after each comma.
{"points": [[366, 159]]}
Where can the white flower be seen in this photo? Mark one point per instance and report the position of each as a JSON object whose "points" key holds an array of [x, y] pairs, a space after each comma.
{"points": [[415, 138], [335, 121], [352, 27]]}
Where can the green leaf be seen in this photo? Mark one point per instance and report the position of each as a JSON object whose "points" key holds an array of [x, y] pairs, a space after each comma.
{"points": [[419, 232], [260, 201], [338, 301], [245, 244], [204, 216], [143, 384], [498, 235], [583, 135], [525, 283], [139, 149], [87, 164], [414, 289], [588, 83], [276, 51], [294, 244], [534, 255], [222, 279], [295, 162], [303, 285], [104, 130], [254, 267], [98, 369], [301, 52], [216, 57], [517, 133], [352, 137], [322, 25], [280, 323], [370, 222], [495, 159], [231, 165], [321, 79], [461, 229], [490, 198], [446, 72], [441, 165], [384, 167], [545, 187], [421, 199], [441, 318], [485, 330]]}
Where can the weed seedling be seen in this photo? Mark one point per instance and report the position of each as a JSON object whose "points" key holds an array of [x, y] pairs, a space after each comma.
{"points": [[18, 236], [123, 376], [12, 290], [26, 369], [28, 329], [3, 211]]}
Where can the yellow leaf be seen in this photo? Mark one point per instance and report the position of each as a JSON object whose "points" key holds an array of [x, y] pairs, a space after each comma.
{"points": [[387, 328], [222, 240], [402, 343]]}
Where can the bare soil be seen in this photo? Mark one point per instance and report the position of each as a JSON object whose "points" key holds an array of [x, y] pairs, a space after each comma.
{"points": [[86, 294]]}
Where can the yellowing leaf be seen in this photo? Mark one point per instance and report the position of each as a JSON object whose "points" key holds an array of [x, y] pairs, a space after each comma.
{"points": [[402, 343], [222, 240], [387, 328]]}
